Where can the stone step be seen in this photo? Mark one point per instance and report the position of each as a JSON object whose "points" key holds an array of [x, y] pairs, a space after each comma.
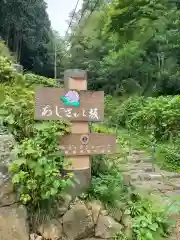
{"points": [[138, 152], [175, 183], [138, 159], [151, 186], [170, 174], [146, 167], [172, 194], [146, 176]]}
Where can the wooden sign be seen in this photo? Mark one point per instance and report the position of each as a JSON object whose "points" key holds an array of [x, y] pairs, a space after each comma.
{"points": [[88, 144], [58, 103], [79, 106]]}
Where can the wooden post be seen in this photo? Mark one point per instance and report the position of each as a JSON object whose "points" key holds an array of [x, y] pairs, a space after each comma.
{"points": [[77, 80]]}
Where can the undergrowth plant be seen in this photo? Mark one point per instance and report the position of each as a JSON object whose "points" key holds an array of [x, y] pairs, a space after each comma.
{"points": [[6, 70], [17, 111], [37, 170], [32, 80], [150, 222]]}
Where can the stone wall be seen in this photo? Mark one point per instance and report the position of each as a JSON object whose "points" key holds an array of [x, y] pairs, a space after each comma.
{"points": [[83, 220], [13, 218], [6, 145]]}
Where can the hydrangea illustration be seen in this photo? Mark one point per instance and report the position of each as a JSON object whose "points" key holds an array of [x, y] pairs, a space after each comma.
{"points": [[71, 98]]}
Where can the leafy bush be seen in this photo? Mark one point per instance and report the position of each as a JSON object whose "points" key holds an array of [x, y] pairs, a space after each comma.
{"points": [[120, 112], [17, 111], [6, 70], [37, 170], [168, 156], [111, 110], [108, 187], [150, 222], [160, 115], [129, 108], [32, 80], [4, 51]]}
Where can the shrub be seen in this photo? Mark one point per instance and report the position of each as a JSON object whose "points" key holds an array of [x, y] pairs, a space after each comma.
{"points": [[120, 112], [17, 111], [32, 80], [169, 156], [111, 109], [37, 170], [108, 187], [129, 108], [4, 51], [161, 116], [6, 70], [150, 222], [151, 115]]}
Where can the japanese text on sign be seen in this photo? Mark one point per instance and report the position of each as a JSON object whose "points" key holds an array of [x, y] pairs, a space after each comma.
{"points": [[86, 150], [58, 103], [92, 114], [88, 144]]}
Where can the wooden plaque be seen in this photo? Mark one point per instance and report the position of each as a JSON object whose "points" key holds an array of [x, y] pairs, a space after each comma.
{"points": [[58, 103], [88, 144]]}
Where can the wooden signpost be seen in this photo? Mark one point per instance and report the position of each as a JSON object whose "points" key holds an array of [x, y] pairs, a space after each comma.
{"points": [[80, 106]]}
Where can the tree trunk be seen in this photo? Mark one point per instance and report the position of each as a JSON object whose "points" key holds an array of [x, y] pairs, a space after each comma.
{"points": [[7, 35], [20, 49]]}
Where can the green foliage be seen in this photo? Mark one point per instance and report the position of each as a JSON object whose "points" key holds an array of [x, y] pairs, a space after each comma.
{"points": [[120, 112], [17, 111], [37, 170], [26, 29], [107, 187], [128, 47], [32, 80], [149, 221], [6, 70], [17, 99], [168, 156], [38, 167], [4, 51], [159, 116]]}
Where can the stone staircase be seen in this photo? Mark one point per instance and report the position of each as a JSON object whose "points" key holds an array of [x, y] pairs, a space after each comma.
{"points": [[146, 177]]}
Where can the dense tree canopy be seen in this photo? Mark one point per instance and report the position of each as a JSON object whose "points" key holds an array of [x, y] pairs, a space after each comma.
{"points": [[25, 26], [130, 46]]}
